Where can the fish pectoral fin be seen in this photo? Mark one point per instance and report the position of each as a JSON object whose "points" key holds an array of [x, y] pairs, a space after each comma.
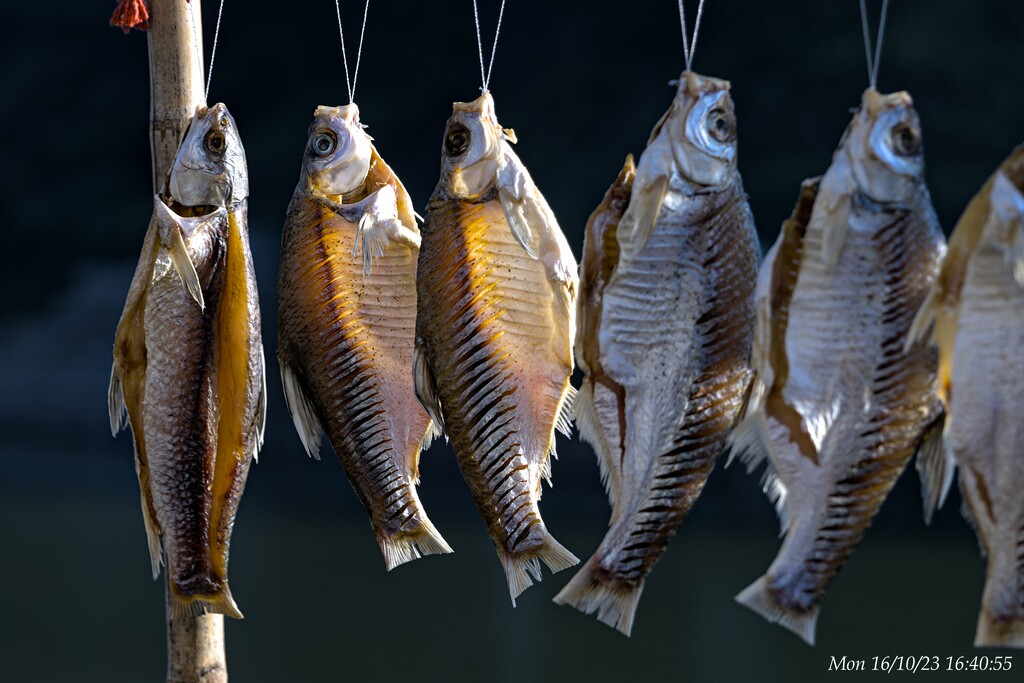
{"points": [[378, 225], [171, 238], [514, 194], [426, 387], [302, 411], [935, 466], [640, 217], [831, 212], [923, 325], [116, 408]]}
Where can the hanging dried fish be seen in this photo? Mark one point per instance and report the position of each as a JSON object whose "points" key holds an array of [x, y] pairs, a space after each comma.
{"points": [[346, 319], [666, 327], [188, 365], [977, 305], [497, 294], [838, 405]]}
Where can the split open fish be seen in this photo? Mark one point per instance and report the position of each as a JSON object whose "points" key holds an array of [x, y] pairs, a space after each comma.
{"points": [[839, 405], [494, 332], [977, 307], [346, 322], [188, 365], [666, 318]]}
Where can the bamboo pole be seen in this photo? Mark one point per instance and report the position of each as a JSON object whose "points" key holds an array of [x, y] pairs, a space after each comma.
{"points": [[195, 645]]}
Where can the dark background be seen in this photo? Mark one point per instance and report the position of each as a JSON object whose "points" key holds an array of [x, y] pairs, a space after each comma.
{"points": [[582, 83]]}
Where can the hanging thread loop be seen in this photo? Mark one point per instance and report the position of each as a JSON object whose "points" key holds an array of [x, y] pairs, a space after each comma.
{"points": [[350, 82], [485, 77], [213, 52], [690, 47], [873, 62]]}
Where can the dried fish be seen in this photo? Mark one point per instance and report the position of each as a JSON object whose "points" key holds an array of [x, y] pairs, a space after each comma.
{"points": [[494, 333], [346, 321], [188, 365], [838, 405], [666, 327], [977, 305]]}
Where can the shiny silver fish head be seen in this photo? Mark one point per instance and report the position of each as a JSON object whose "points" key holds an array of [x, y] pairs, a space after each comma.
{"points": [[883, 145], [472, 150], [701, 126], [338, 150], [209, 169]]}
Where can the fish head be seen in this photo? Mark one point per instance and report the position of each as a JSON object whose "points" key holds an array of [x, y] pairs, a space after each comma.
{"points": [[209, 168], [883, 145], [338, 151], [701, 128], [473, 145]]}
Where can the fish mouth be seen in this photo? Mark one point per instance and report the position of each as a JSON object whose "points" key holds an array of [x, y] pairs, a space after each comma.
{"points": [[191, 211]]}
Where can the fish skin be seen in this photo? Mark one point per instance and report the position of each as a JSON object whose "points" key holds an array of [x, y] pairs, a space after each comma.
{"points": [[978, 311], [665, 340], [346, 324], [189, 369], [853, 263], [494, 333]]}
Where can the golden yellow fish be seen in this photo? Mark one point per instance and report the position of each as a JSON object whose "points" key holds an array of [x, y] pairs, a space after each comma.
{"points": [[188, 365], [494, 333], [346, 320], [666, 327], [977, 305], [839, 405]]}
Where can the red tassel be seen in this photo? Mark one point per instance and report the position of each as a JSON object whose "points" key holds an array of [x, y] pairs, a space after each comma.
{"points": [[131, 14]]}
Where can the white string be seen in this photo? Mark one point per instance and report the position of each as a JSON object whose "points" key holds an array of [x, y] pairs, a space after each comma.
{"points": [[485, 78], [351, 84], [688, 48], [873, 63], [213, 53]]}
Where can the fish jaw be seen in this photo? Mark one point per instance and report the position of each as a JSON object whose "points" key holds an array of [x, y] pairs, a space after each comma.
{"points": [[346, 343], [495, 331]]}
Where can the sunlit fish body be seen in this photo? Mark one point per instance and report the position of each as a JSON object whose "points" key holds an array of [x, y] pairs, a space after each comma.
{"points": [[977, 306], [346, 322], [838, 405], [497, 306], [188, 365], [666, 320]]}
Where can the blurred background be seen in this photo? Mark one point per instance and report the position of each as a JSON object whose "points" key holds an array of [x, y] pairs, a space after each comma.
{"points": [[582, 83]]}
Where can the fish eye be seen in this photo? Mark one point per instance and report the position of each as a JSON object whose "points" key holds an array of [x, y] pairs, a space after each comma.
{"points": [[906, 140], [721, 125], [323, 143], [215, 142], [457, 141]]}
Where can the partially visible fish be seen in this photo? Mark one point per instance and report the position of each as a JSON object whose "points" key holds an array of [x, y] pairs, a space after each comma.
{"points": [[838, 405], [346, 321], [977, 305], [188, 365], [666, 327], [494, 333]]}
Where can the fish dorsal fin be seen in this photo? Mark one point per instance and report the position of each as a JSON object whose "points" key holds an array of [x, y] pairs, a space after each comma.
{"points": [[832, 207], [301, 409]]}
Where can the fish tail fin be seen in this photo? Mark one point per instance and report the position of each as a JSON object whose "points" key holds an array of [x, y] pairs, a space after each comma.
{"points": [[999, 632], [614, 602], [522, 570], [758, 597], [181, 607], [408, 547]]}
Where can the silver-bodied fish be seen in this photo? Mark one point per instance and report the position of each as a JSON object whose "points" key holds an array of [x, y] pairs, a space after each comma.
{"points": [[666, 327], [977, 305], [838, 405], [494, 333], [188, 365], [346, 322]]}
